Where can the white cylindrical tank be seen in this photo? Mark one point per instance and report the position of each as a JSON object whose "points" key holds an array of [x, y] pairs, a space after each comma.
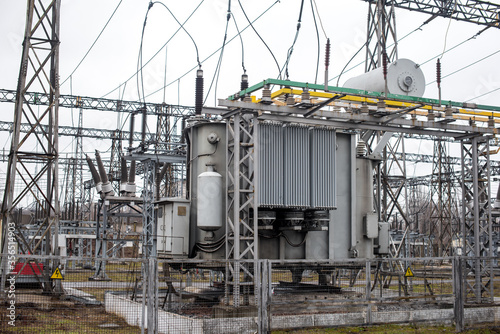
{"points": [[210, 196], [404, 77]]}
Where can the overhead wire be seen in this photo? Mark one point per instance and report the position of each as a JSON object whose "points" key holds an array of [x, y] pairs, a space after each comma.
{"points": [[213, 53], [428, 60], [219, 62], [242, 46], [139, 57], [182, 27], [479, 96], [290, 50], [318, 44], [467, 66], [95, 41], [159, 50], [258, 35], [364, 44], [448, 29], [319, 18]]}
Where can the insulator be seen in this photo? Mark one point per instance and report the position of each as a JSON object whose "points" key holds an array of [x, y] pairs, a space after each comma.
{"points": [[306, 96], [93, 170], [491, 122], [131, 138], [327, 53], [384, 64], [438, 72], [198, 92], [244, 82], [290, 100], [100, 167], [124, 171], [266, 92], [131, 172]]}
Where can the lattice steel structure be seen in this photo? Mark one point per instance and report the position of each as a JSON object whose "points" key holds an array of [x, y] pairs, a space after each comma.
{"points": [[39, 67], [93, 103], [480, 12], [441, 209], [476, 233], [393, 179], [242, 212], [381, 34], [149, 241]]}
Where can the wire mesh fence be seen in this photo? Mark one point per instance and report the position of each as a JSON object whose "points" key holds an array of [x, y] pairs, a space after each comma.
{"points": [[89, 295]]}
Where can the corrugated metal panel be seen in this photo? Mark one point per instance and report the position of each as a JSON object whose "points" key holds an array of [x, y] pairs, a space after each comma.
{"points": [[270, 152], [323, 148], [297, 183]]}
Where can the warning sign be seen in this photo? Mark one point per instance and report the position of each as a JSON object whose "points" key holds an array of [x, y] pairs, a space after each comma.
{"points": [[409, 272], [56, 274]]}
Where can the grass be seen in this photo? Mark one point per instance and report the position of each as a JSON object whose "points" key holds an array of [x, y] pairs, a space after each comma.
{"points": [[391, 329], [60, 319]]}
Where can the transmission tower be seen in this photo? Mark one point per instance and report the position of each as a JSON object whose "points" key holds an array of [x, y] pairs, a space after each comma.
{"points": [[39, 67]]}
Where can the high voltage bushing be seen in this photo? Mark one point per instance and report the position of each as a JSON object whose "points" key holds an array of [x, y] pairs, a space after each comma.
{"points": [[199, 92], [244, 82]]}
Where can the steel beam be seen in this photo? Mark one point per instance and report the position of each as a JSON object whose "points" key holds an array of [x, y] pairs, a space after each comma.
{"points": [[480, 12], [93, 103], [242, 206]]}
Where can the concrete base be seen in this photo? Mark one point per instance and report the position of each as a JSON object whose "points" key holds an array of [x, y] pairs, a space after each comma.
{"points": [[173, 323], [221, 311]]}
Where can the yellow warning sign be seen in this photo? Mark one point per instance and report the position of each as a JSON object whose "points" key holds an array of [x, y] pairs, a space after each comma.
{"points": [[409, 272], [56, 274]]}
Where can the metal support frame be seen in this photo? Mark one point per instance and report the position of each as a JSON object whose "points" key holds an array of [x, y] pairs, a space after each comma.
{"points": [[241, 202], [381, 34], [394, 181], [476, 219], [93, 103], [110, 209], [39, 67], [150, 266], [441, 225], [479, 12]]}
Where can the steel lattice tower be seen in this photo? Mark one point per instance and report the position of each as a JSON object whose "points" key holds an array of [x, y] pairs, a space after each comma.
{"points": [[39, 69]]}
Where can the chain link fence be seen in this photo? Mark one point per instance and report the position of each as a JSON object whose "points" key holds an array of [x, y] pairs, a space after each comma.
{"points": [[87, 295]]}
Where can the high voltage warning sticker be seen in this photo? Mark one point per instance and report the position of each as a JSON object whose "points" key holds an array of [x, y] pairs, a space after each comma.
{"points": [[409, 272], [56, 274]]}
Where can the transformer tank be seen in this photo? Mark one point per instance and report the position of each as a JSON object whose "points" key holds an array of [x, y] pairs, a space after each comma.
{"points": [[315, 194]]}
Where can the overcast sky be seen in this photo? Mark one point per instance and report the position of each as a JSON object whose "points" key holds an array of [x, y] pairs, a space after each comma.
{"points": [[113, 59]]}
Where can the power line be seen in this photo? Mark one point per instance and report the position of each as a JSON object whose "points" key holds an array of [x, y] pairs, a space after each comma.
{"points": [[242, 48], [317, 40], [479, 96], [319, 17], [182, 27], [213, 53], [219, 62], [95, 41], [258, 35], [159, 50], [290, 50], [467, 66]]}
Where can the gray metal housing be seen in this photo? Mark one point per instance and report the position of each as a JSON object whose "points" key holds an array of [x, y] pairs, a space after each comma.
{"points": [[315, 193]]}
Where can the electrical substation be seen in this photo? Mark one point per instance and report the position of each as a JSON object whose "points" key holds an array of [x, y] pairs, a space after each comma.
{"points": [[286, 205]]}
